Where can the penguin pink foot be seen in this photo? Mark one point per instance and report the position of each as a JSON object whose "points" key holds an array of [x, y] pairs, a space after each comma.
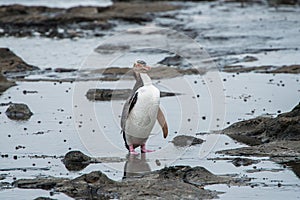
{"points": [[132, 151], [144, 150]]}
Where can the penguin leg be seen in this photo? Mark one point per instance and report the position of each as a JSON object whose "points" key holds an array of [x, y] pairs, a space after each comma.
{"points": [[144, 150], [132, 151]]}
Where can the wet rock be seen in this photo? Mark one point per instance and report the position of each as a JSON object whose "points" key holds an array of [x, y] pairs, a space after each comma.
{"points": [[277, 138], [161, 72], [117, 94], [175, 60], [111, 48], [20, 21], [277, 3], [39, 183], [2, 176], [76, 160], [243, 162], [185, 140], [43, 198], [260, 130], [287, 69], [64, 70], [242, 69], [5, 84], [295, 165], [177, 182], [18, 111], [10, 62]]}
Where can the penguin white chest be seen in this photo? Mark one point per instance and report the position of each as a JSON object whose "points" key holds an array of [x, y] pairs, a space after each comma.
{"points": [[143, 115]]}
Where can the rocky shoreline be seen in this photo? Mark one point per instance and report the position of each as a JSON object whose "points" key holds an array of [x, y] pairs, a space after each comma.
{"points": [[74, 22], [277, 138], [178, 182]]}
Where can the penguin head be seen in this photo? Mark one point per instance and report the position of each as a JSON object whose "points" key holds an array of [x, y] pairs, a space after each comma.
{"points": [[141, 66]]}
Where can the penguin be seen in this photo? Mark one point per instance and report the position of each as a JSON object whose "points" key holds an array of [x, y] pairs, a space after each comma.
{"points": [[141, 110]]}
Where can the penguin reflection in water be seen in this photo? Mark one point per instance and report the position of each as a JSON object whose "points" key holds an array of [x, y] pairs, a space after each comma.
{"points": [[141, 111]]}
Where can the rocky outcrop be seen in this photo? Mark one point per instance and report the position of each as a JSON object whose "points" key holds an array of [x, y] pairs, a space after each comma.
{"points": [[177, 182], [19, 20], [278, 138], [18, 111], [10, 62], [261, 130]]}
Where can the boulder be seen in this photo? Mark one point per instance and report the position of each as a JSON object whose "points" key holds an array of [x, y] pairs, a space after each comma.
{"points": [[18, 111], [186, 140]]}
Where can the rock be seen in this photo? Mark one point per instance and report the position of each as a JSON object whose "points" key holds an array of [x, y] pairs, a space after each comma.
{"points": [[111, 48], [177, 182], [20, 21], [43, 198], [63, 70], [76, 160], [243, 162], [2, 176], [288, 69], [18, 111], [279, 151], [295, 165], [117, 94], [185, 140], [10, 62], [5, 84], [176, 61], [261, 130]]}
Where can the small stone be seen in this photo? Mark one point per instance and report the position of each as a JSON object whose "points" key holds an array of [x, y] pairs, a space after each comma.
{"points": [[18, 111]]}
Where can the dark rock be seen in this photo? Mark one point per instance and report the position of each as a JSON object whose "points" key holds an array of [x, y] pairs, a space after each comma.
{"points": [[111, 48], [177, 182], [259, 130], [10, 62], [176, 61], [185, 140], [243, 162], [117, 94], [39, 183], [76, 160], [18, 111], [63, 70], [287, 69], [295, 165], [2, 176], [20, 21], [5, 84], [43, 198], [116, 73], [277, 138]]}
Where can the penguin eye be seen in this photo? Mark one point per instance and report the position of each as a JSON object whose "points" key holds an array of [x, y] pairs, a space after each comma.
{"points": [[141, 62]]}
